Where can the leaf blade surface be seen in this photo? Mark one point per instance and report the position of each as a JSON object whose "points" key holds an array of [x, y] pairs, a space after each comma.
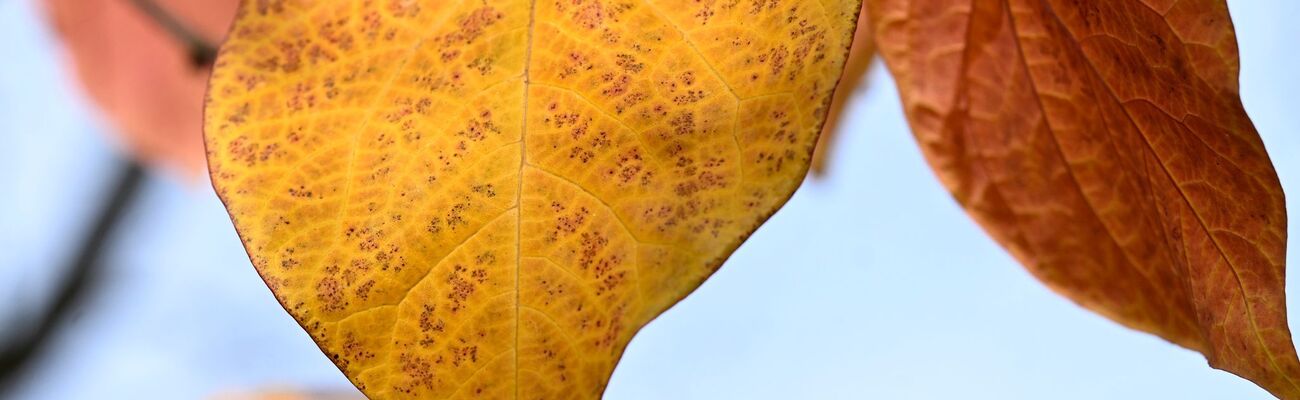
{"points": [[1105, 146], [464, 198]]}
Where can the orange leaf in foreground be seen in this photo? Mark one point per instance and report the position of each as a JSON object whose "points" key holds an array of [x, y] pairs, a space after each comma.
{"points": [[1105, 145], [140, 75]]}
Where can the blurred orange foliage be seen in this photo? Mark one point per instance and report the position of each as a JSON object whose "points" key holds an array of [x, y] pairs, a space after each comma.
{"points": [[140, 75]]}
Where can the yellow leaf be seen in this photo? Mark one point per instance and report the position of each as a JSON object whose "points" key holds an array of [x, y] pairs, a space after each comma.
{"points": [[861, 56], [469, 198]]}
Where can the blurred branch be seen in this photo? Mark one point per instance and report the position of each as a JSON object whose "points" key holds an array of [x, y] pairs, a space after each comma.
{"points": [[201, 52], [35, 330], [18, 350]]}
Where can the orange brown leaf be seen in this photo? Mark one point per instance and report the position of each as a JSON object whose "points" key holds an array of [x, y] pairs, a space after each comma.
{"points": [[1105, 145], [490, 198], [139, 75]]}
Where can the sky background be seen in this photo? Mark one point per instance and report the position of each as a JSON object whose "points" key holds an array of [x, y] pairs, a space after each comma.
{"points": [[871, 284]]}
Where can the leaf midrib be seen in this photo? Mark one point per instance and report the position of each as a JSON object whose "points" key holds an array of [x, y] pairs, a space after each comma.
{"points": [[519, 191]]}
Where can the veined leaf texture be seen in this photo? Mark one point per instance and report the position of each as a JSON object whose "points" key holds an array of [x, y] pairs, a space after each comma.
{"points": [[489, 198], [1104, 144]]}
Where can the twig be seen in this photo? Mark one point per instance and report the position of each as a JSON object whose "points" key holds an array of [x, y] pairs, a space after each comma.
{"points": [[202, 53], [18, 350]]}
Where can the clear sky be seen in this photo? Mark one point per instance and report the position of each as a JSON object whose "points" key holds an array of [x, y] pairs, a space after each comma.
{"points": [[871, 284]]}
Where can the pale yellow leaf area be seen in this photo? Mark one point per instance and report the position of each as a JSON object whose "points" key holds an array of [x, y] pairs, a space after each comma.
{"points": [[488, 199]]}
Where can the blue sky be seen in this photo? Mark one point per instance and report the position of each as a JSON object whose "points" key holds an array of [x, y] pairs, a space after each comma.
{"points": [[869, 284]]}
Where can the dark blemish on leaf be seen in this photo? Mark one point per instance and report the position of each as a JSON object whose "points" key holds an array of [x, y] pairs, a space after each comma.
{"points": [[435, 225], [485, 190], [705, 13], [683, 123], [363, 291], [479, 127], [485, 258], [482, 64], [473, 25], [330, 294], [590, 15], [581, 154], [464, 354], [758, 6], [566, 224], [576, 63], [461, 288], [691, 96], [629, 63], [456, 215], [287, 262], [418, 370], [430, 325], [617, 86], [300, 192]]}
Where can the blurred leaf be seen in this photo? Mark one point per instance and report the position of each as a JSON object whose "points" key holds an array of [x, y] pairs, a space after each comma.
{"points": [[1104, 144], [140, 75], [851, 84], [490, 199]]}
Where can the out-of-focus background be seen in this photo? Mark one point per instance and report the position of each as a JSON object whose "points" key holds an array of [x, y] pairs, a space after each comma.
{"points": [[870, 283]]}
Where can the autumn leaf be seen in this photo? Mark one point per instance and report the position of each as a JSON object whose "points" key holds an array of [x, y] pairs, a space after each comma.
{"points": [[141, 77], [861, 54], [491, 198], [1104, 144]]}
